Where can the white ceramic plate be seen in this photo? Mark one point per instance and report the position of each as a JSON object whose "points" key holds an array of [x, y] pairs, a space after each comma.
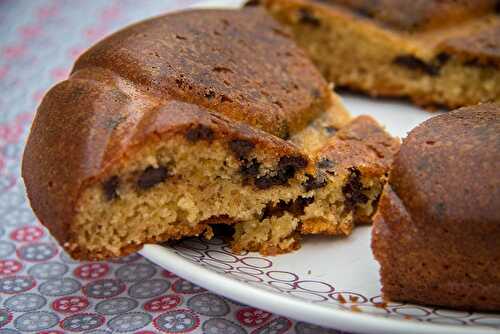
{"points": [[329, 282]]}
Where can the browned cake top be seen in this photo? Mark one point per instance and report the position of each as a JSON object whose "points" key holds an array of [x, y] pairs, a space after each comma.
{"points": [[466, 29], [448, 171], [417, 14], [239, 63], [363, 144], [234, 72]]}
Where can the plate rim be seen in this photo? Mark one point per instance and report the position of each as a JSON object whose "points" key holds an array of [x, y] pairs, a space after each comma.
{"points": [[295, 308]]}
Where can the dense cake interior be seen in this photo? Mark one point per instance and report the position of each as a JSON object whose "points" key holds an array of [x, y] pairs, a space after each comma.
{"points": [[356, 53], [186, 183]]}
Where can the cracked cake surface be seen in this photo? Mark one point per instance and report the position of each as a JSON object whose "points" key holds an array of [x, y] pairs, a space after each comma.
{"points": [[437, 53], [187, 123]]}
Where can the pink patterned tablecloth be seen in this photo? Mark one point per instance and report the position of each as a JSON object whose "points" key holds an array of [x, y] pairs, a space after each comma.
{"points": [[41, 289]]}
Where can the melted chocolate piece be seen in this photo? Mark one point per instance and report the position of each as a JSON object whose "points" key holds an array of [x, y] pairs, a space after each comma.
{"points": [[152, 176], [293, 162], [199, 132], [251, 3], [314, 182], [442, 58], [223, 230], [353, 189], [306, 17], [413, 63], [265, 182], [295, 207], [249, 169], [110, 186], [287, 166]]}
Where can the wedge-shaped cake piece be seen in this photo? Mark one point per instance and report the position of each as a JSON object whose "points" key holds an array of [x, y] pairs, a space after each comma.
{"points": [[437, 231], [198, 118], [437, 53]]}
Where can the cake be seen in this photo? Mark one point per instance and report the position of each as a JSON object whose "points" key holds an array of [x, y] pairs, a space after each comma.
{"points": [[437, 53], [186, 123], [437, 229]]}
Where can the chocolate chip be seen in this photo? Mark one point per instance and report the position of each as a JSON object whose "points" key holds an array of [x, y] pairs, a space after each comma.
{"points": [[295, 207], [287, 166], [223, 230], [295, 161], [413, 63], [442, 58], [314, 182], [110, 186], [353, 189], [249, 169], [241, 147], [199, 132], [152, 176], [497, 7], [300, 204], [252, 3], [306, 17], [265, 182]]}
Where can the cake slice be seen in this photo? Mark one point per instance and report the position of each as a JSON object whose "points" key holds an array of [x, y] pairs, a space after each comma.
{"points": [[340, 188], [437, 53], [437, 230], [196, 119]]}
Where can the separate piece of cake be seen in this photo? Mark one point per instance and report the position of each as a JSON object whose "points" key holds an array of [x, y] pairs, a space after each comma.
{"points": [[193, 119], [436, 234], [436, 52]]}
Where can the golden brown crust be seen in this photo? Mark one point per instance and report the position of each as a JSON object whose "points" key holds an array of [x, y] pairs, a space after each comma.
{"points": [[219, 76], [130, 87], [362, 144], [464, 28], [437, 228], [221, 60], [437, 53], [414, 15]]}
